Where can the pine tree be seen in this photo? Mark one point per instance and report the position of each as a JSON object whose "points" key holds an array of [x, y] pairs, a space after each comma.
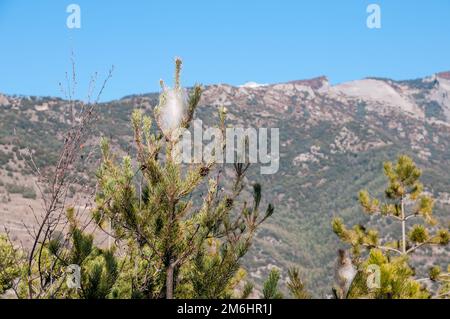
{"points": [[270, 289], [176, 245], [397, 278], [294, 283], [296, 286], [98, 267], [443, 279], [405, 202], [10, 264]]}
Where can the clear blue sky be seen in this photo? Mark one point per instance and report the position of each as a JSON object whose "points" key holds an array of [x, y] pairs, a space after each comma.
{"points": [[220, 42]]}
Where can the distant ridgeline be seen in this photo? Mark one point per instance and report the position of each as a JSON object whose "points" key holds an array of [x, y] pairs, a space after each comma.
{"points": [[333, 141]]}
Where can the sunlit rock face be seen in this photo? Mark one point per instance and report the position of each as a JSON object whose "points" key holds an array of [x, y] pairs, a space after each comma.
{"points": [[172, 109], [3, 100]]}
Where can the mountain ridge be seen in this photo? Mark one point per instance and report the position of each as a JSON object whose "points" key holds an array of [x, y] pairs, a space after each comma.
{"points": [[312, 82], [333, 141]]}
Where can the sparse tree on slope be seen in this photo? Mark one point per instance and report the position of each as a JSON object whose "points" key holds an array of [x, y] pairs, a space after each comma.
{"points": [[405, 203]]}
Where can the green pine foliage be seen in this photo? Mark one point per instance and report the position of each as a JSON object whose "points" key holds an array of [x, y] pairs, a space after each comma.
{"points": [[443, 279], [177, 246], [404, 203], [99, 267], [270, 289], [296, 286], [396, 279], [10, 264], [181, 230]]}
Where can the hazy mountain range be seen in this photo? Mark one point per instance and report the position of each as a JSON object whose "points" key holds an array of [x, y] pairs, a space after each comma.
{"points": [[333, 140]]}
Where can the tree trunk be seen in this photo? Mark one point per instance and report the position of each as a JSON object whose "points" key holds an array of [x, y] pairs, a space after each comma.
{"points": [[403, 227], [169, 281]]}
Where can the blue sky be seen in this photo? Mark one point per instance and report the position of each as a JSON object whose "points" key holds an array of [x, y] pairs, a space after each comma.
{"points": [[219, 41]]}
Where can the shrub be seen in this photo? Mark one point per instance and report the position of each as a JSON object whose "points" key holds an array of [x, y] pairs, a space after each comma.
{"points": [[26, 191]]}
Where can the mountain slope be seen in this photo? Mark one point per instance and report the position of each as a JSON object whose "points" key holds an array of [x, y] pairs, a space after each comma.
{"points": [[333, 140]]}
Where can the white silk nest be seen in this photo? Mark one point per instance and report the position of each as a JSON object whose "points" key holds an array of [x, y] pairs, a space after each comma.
{"points": [[172, 109]]}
